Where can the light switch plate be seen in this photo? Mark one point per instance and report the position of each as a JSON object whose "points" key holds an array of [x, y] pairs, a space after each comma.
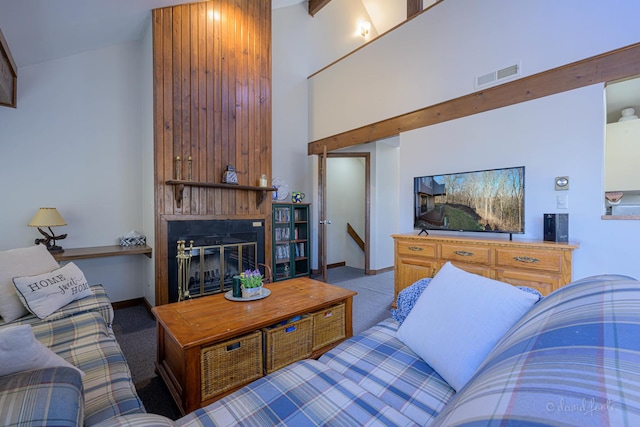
{"points": [[563, 202]]}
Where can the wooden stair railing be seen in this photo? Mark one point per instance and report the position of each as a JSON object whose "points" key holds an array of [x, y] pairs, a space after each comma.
{"points": [[355, 237]]}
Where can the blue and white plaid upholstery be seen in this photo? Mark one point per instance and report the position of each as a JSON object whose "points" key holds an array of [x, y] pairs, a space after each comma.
{"points": [[98, 302], [384, 366], [304, 394], [137, 420], [574, 359], [81, 333], [49, 396], [85, 341]]}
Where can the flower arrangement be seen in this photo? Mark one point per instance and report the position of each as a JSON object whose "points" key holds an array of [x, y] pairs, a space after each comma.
{"points": [[251, 279]]}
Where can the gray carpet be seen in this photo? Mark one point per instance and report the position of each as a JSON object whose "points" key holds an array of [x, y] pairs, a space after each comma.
{"points": [[135, 330], [374, 299]]}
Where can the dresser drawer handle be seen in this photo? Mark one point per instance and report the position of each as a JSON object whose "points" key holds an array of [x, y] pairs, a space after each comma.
{"points": [[463, 253], [526, 259], [415, 248]]}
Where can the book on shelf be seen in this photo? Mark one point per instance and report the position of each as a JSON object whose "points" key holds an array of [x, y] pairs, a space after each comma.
{"points": [[282, 215], [282, 251], [282, 234]]}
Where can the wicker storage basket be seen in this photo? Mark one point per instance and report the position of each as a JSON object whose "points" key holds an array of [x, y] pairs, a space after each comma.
{"points": [[287, 343], [230, 364], [328, 326]]}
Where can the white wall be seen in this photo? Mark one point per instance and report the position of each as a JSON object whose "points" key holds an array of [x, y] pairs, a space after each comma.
{"points": [[81, 140], [558, 135], [302, 45], [549, 142], [148, 160], [290, 67], [436, 56], [384, 219], [74, 143]]}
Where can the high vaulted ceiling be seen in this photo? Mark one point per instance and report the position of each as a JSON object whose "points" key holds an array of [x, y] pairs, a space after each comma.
{"points": [[41, 30]]}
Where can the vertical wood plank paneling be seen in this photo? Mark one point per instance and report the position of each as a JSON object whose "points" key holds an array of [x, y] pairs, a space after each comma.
{"points": [[166, 163], [159, 152], [214, 58], [241, 101], [264, 134], [200, 166], [164, 136], [250, 91], [191, 142], [230, 81], [176, 51], [264, 70], [194, 90], [226, 43], [212, 101], [185, 97]]}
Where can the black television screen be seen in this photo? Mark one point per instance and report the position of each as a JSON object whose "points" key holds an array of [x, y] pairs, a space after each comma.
{"points": [[488, 201]]}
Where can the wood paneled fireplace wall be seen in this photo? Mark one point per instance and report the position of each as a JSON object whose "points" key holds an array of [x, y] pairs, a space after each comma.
{"points": [[212, 108]]}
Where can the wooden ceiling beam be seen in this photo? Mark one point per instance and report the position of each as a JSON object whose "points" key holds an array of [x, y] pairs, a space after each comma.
{"points": [[617, 64], [414, 7], [316, 5]]}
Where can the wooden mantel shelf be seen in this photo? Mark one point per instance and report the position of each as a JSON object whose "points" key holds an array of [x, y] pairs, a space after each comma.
{"points": [[102, 251], [261, 192]]}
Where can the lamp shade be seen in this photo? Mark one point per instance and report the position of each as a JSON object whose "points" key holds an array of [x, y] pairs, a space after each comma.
{"points": [[47, 217]]}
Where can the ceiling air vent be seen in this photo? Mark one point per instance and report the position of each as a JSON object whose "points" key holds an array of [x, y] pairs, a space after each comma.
{"points": [[495, 77]]}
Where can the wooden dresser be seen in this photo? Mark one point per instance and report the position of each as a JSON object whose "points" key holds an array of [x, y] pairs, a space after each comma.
{"points": [[545, 266]]}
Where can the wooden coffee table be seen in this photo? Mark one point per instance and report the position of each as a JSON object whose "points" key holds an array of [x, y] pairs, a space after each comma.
{"points": [[187, 328]]}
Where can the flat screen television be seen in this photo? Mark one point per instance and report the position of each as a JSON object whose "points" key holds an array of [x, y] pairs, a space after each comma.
{"points": [[486, 201]]}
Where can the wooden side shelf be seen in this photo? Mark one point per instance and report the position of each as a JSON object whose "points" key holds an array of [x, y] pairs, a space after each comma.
{"points": [[261, 192], [102, 251], [620, 217]]}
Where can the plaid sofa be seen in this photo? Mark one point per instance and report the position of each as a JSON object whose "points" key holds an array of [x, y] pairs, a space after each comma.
{"points": [[81, 334], [573, 359]]}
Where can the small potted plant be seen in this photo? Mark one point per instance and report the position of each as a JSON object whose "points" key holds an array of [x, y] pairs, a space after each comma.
{"points": [[251, 283]]}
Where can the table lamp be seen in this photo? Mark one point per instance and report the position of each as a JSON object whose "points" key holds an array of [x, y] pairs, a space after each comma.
{"points": [[48, 217]]}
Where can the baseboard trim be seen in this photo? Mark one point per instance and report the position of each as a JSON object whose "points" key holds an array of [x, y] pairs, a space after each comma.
{"points": [[343, 264], [132, 303], [382, 270]]}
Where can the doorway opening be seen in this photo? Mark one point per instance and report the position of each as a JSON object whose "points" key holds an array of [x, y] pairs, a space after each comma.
{"points": [[344, 210]]}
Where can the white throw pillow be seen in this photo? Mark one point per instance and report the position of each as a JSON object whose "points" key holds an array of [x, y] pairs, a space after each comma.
{"points": [[21, 351], [458, 320], [20, 262], [45, 293]]}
